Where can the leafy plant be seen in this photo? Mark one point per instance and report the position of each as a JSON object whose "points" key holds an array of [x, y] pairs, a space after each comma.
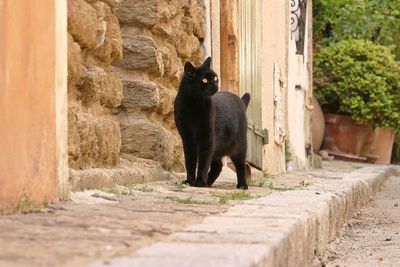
{"points": [[374, 20], [360, 79]]}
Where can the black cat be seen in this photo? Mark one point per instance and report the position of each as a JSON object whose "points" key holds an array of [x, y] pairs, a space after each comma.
{"points": [[211, 124]]}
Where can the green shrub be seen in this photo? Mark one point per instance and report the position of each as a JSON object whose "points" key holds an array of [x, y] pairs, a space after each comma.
{"points": [[360, 79], [374, 20]]}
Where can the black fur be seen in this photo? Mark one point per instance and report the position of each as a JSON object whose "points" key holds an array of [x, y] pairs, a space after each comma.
{"points": [[212, 125]]}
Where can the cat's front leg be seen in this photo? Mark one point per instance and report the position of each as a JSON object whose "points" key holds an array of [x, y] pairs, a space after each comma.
{"points": [[206, 149], [190, 151]]}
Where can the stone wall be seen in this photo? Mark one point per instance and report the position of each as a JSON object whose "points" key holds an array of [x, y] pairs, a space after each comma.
{"points": [[94, 90], [125, 61], [158, 36]]}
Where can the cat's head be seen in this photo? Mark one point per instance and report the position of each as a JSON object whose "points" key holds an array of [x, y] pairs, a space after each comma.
{"points": [[203, 80]]}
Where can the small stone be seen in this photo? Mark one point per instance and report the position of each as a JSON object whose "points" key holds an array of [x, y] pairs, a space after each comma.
{"points": [[396, 204]]}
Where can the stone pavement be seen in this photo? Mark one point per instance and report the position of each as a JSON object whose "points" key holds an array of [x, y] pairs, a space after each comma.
{"points": [[280, 221]]}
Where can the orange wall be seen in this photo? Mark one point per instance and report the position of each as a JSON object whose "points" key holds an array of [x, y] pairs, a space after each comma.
{"points": [[27, 103]]}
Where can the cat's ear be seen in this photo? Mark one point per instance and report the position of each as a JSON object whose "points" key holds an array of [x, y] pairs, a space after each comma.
{"points": [[189, 70], [207, 63]]}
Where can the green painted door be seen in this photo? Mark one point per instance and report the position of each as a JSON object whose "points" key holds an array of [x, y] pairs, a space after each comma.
{"points": [[250, 76]]}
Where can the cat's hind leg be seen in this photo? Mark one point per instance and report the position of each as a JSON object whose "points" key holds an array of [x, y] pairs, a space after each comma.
{"points": [[240, 165], [215, 170]]}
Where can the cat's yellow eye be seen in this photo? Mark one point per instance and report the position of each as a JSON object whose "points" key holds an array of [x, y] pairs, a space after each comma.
{"points": [[204, 80], [215, 78]]}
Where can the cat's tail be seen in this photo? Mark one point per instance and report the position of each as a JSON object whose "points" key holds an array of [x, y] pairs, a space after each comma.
{"points": [[246, 99]]}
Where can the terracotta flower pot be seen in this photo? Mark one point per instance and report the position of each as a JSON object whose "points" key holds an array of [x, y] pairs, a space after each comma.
{"points": [[382, 145], [344, 138], [318, 125]]}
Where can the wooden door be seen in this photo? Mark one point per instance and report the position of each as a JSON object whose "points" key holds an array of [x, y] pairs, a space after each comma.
{"points": [[250, 33]]}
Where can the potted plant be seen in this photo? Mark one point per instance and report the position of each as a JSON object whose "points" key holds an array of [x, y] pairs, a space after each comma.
{"points": [[357, 83]]}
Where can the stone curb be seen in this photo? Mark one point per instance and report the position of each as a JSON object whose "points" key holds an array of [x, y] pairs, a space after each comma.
{"points": [[282, 229]]}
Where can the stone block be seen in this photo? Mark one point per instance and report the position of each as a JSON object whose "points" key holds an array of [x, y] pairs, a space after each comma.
{"points": [[111, 3], [173, 67], [109, 40], [195, 12], [167, 97], [100, 85], [82, 24], [148, 140], [140, 53], [99, 140], [75, 62], [186, 44], [112, 96], [137, 12], [140, 94], [74, 149]]}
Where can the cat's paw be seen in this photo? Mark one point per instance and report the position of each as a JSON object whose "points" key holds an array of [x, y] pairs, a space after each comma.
{"points": [[200, 184], [242, 186], [189, 182]]}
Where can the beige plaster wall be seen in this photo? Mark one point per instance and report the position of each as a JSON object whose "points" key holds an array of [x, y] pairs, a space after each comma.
{"points": [[27, 104], [299, 99], [274, 39]]}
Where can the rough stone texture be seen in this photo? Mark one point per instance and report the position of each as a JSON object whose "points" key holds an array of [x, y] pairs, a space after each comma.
{"points": [[173, 66], [94, 90], [195, 13], [186, 45], [75, 62], [139, 94], [82, 24], [137, 12], [148, 53], [96, 84], [99, 140], [147, 139], [159, 36], [140, 53], [129, 172], [167, 98], [109, 40]]}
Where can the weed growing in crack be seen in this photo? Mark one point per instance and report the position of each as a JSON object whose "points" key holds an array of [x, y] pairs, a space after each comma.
{"points": [[238, 195], [257, 183], [301, 185], [144, 188], [180, 185], [114, 190], [190, 201]]}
